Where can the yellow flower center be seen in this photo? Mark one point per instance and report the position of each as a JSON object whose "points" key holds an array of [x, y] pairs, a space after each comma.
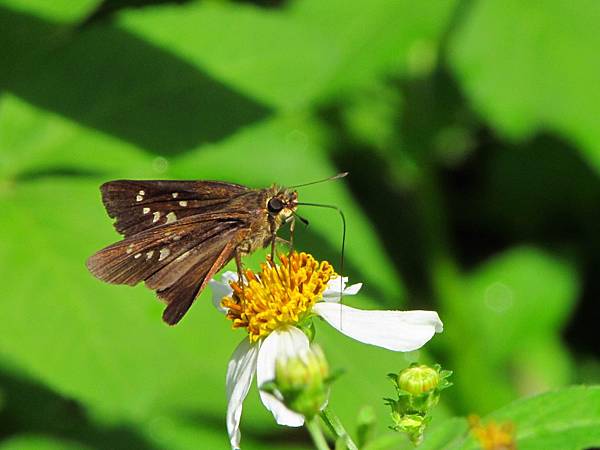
{"points": [[279, 295], [493, 436]]}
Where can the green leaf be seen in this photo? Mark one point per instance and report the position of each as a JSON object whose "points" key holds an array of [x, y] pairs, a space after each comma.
{"points": [[566, 419], [206, 80], [507, 291], [87, 75], [493, 319], [532, 67], [60, 10], [366, 423], [199, 431], [33, 442], [446, 434], [295, 68], [34, 142]]}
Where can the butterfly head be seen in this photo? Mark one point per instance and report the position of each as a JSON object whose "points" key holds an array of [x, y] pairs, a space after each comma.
{"points": [[282, 203]]}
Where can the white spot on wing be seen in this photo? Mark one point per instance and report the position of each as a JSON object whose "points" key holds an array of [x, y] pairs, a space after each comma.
{"points": [[146, 210], [141, 193], [175, 194], [171, 217], [139, 198], [129, 249], [149, 254], [137, 255], [183, 203], [164, 252], [156, 216], [183, 255]]}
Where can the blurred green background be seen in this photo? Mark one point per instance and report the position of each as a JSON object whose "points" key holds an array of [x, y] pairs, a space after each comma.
{"points": [[471, 132]]}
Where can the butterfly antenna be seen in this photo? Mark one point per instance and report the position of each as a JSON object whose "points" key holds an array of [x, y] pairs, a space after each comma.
{"points": [[335, 177], [341, 213]]}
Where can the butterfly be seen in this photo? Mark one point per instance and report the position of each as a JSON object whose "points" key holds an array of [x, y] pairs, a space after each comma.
{"points": [[179, 234]]}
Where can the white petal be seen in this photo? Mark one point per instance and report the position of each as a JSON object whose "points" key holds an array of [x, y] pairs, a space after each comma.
{"points": [[222, 289], [395, 330], [285, 342], [352, 289], [240, 372], [332, 292]]}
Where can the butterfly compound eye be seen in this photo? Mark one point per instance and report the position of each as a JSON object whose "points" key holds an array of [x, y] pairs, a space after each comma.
{"points": [[275, 205]]}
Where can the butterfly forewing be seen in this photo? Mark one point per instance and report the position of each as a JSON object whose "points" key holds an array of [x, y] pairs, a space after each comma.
{"points": [[141, 205]]}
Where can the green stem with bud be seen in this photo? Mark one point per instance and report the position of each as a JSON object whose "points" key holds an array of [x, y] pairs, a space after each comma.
{"points": [[335, 426], [312, 425]]}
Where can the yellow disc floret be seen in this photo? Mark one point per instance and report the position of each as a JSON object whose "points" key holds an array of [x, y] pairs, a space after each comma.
{"points": [[279, 295], [493, 436]]}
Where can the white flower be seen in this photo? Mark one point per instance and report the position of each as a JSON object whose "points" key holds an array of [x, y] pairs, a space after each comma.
{"points": [[394, 330]]}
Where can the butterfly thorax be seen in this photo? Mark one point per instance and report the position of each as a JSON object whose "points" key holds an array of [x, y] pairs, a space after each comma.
{"points": [[273, 207]]}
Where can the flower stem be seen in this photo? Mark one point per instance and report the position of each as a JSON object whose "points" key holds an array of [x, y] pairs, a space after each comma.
{"points": [[335, 426], [316, 433]]}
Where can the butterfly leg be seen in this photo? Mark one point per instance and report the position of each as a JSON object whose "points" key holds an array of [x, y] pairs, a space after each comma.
{"points": [[277, 239], [273, 241], [292, 227], [283, 241], [240, 266]]}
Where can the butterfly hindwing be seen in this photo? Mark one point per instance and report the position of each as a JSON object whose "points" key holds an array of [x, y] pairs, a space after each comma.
{"points": [[160, 250], [139, 205], [176, 260], [181, 294]]}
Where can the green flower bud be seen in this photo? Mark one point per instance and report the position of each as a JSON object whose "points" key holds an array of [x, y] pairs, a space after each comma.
{"points": [[303, 382], [418, 379], [418, 388]]}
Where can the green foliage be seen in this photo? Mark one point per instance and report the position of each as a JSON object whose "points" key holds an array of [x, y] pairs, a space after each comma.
{"points": [[365, 428], [499, 237], [504, 326], [295, 69], [528, 67], [567, 419], [39, 443], [57, 10]]}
